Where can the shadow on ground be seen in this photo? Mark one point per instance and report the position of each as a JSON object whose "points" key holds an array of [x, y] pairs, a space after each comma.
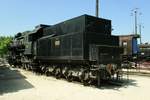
{"points": [[116, 85], [111, 84], [12, 81]]}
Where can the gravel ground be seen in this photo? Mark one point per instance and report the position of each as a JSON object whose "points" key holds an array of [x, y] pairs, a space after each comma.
{"points": [[23, 85]]}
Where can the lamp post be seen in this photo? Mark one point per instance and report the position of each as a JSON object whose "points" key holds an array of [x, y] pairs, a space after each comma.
{"points": [[134, 13], [140, 31]]}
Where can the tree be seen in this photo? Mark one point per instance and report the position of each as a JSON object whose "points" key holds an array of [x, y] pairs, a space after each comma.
{"points": [[4, 41]]}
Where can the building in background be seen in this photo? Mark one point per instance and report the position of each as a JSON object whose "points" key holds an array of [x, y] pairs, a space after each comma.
{"points": [[130, 45], [145, 51]]}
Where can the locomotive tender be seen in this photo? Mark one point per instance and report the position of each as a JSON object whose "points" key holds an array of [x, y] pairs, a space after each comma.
{"points": [[82, 47]]}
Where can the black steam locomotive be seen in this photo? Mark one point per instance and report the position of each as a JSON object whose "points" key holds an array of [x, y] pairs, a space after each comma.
{"points": [[82, 47]]}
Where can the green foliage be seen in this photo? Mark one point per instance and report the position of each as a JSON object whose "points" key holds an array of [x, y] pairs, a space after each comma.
{"points": [[4, 41]]}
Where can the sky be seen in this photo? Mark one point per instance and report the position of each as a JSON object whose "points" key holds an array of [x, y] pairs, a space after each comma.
{"points": [[21, 15]]}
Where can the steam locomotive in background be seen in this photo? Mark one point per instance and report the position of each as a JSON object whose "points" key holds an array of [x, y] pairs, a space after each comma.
{"points": [[82, 47]]}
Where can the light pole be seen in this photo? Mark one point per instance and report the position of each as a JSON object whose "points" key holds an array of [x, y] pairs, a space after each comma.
{"points": [[135, 21], [134, 13], [140, 31]]}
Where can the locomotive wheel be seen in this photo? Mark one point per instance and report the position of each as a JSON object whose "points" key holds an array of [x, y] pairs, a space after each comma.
{"points": [[65, 72], [85, 79], [69, 77], [58, 76], [58, 73], [47, 73], [43, 69], [26, 67], [30, 66], [23, 66], [53, 70], [88, 81]]}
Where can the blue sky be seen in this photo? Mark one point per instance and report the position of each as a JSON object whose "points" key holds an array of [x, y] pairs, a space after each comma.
{"points": [[21, 15]]}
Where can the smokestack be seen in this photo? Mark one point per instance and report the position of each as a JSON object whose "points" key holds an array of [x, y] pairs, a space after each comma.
{"points": [[97, 8]]}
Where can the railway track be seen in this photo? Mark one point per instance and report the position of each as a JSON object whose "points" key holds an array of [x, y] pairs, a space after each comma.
{"points": [[139, 72]]}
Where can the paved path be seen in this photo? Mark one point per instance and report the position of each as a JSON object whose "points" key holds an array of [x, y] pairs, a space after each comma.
{"points": [[23, 85], [11, 80]]}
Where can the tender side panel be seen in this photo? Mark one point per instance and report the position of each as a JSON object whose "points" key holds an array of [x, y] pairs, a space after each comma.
{"points": [[96, 39], [66, 48], [98, 25]]}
